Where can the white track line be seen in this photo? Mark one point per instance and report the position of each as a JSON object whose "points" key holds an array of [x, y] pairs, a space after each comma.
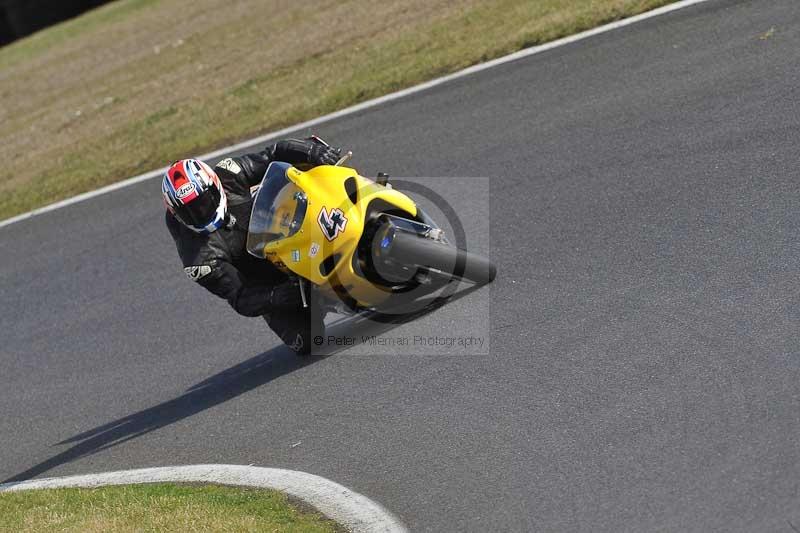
{"points": [[354, 511], [368, 104]]}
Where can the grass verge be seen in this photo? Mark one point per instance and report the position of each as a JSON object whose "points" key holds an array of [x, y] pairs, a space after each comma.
{"points": [[136, 84], [157, 507]]}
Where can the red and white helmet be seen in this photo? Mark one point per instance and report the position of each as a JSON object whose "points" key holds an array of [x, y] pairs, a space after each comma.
{"points": [[193, 193]]}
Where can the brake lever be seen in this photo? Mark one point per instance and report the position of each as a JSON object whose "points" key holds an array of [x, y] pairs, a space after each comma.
{"points": [[320, 141]]}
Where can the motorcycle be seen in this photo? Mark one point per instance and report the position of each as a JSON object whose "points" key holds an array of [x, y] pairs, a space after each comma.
{"points": [[362, 244]]}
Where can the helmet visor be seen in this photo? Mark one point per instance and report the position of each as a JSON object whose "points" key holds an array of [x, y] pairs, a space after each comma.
{"points": [[202, 210]]}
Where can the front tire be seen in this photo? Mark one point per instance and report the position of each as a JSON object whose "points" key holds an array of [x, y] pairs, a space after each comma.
{"points": [[411, 249]]}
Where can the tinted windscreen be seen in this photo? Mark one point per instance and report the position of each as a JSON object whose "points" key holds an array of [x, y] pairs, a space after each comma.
{"points": [[278, 209]]}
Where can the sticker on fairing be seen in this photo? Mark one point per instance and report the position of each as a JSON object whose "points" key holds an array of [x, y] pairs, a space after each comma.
{"points": [[296, 256], [230, 165], [333, 223], [313, 250], [196, 273]]}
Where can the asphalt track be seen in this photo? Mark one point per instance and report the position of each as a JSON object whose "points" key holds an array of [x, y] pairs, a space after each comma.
{"points": [[643, 363]]}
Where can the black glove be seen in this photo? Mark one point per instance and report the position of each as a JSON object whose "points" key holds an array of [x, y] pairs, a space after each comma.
{"points": [[320, 154], [311, 151], [286, 296]]}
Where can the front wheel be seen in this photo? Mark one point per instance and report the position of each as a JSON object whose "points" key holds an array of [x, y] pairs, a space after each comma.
{"points": [[410, 249]]}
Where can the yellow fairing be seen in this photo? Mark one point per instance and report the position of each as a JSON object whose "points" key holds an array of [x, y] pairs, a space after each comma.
{"points": [[305, 252]]}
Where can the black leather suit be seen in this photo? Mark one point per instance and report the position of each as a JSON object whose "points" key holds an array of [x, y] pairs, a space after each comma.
{"points": [[220, 262]]}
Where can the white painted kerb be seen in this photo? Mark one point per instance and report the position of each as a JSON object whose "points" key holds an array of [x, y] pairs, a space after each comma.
{"points": [[354, 511]]}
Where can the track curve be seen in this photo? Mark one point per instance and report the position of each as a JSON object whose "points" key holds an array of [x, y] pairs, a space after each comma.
{"points": [[643, 370]]}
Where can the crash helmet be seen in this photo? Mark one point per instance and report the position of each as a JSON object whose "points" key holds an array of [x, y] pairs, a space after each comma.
{"points": [[194, 194]]}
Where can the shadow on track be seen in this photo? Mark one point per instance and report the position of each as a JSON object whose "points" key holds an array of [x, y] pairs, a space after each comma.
{"points": [[217, 389]]}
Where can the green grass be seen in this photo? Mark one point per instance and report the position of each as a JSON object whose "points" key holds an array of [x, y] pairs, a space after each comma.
{"points": [[124, 89], [157, 507]]}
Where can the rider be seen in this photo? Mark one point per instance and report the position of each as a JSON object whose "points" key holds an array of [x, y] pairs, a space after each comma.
{"points": [[208, 211]]}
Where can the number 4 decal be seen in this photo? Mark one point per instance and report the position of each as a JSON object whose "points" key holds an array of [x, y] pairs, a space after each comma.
{"points": [[332, 223]]}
